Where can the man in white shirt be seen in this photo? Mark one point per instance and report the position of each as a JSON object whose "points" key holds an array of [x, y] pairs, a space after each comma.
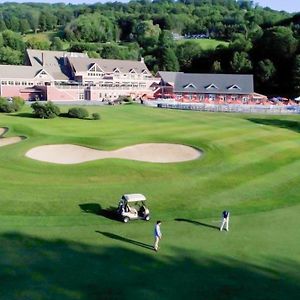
{"points": [[157, 235], [225, 216]]}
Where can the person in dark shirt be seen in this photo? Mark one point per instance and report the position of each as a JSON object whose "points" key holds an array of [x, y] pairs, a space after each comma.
{"points": [[225, 220]]}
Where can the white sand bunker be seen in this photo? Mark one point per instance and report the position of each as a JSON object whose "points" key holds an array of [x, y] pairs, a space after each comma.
{"points": [[154, 152], [10, 140]]}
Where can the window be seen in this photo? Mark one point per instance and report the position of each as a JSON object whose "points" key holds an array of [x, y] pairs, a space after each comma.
{"points": [[81, 96], [4, 82], [234, 87], [211, 86], [10, 83], [190, 86], [17, 82]]}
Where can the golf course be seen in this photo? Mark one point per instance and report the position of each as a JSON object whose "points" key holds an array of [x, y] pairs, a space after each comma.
{"points": [[59, 239]]}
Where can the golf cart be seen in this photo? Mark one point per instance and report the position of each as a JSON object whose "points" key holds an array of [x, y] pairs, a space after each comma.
{"points": [[132, 207]]}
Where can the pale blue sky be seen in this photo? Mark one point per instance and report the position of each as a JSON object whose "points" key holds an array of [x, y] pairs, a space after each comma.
{"points": [[287, 5]]}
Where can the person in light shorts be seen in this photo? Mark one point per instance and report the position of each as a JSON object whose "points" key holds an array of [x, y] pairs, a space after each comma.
{"points": [[157, 235], [225, 220]]}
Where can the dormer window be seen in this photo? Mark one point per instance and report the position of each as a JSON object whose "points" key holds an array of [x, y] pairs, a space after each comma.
{"points": [[132, 71], [212, 86], [41, 74], [116, 70], [190, 86], [234, 87], [95, 68], [145, 72]]}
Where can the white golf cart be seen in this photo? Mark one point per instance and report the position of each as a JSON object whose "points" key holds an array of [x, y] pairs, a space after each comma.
{"points": [[132, 207]]}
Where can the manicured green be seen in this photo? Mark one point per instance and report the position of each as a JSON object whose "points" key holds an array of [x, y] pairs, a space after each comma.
{"points": [[56, 242], [206, 44]]}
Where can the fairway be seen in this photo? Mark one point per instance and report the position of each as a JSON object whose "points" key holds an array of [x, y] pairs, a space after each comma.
{"points": [[58, 240], [205, 44]]}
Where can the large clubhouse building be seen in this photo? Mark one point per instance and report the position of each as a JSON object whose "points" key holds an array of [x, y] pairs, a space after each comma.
{"points": [[58, 75], [65, 76]]}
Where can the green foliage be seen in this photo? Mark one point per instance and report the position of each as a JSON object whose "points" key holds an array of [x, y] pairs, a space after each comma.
{"points": [[12, 105], [37, 43], [78, 112], [240, 63], [96, 116], [265, 70], [10, 56], [296, 75], [57, 44], [18, 103], [90, 28], [46, 110]]}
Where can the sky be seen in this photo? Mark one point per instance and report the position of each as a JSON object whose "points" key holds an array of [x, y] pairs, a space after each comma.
{"points": [[287, 5]]}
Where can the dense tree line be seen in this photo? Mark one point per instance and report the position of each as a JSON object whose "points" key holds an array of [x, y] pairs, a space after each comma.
{"points": [[261, 41]]}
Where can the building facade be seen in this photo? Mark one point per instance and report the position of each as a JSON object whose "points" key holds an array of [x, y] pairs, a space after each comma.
{"points": [[209, 88], [59, 75]]}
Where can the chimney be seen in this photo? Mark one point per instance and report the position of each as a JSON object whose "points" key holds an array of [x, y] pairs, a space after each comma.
{"points": [[142, 60]]}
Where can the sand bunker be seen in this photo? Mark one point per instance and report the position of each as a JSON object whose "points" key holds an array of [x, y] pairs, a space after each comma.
{"points": [[154, 152], [10, 140]]}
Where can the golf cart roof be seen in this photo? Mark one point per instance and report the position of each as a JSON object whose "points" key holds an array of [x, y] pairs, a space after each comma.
{"points": [[134, 197]]}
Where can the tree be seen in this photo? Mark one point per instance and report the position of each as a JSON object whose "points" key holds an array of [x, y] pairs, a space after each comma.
{"points": [[24, 26], [147, 34], [240, 63], [13, 40], [57, 44], [167, 59], [216, 67], [35, 42], [45, 111], [186, 52], [296, 74], [265, 70], [10, 56]]}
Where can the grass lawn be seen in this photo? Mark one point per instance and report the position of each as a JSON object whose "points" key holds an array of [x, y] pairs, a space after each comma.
{"points": [[56, 245], [205, 44]]}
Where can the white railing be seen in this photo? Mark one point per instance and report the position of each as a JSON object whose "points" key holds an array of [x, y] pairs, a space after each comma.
{"points": [[240, 108]]}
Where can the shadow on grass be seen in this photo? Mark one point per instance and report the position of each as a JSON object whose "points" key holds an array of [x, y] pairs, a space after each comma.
{"points": [[96, 209], [197, 223], [35, 268], [287, 124], [24, 115], [126, 240]]}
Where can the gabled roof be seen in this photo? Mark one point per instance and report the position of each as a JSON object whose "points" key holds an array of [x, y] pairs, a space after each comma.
{"points": [[221, 81], [18, 72], [54, 62], [168, 77], [81, 64]]}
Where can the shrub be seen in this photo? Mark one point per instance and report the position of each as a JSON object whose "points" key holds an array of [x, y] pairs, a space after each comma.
{"points": [[45, 111], [78, 112], [11, 106], [18, 103], [96, 116], [126, 99]]}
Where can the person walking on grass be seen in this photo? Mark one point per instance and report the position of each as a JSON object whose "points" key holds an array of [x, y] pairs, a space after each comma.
{"points": [[157, 235], [225, 221]]}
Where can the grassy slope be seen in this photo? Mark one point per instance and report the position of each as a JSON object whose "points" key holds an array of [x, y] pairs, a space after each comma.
{"points": [[205, 44], [50, 246]]}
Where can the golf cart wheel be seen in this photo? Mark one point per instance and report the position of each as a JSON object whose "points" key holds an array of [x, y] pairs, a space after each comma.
{"points": [[147, 218], [126, 220]]}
